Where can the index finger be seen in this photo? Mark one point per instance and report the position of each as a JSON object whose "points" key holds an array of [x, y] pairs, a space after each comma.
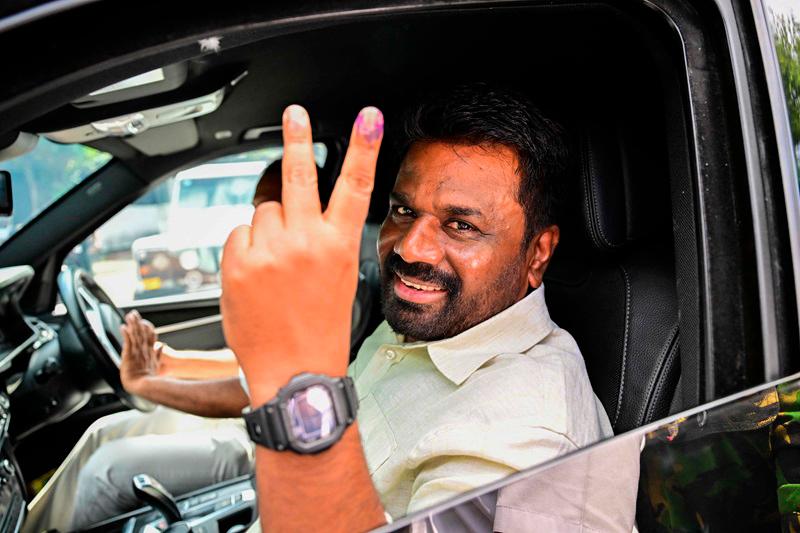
{"points": [[350, 198]]}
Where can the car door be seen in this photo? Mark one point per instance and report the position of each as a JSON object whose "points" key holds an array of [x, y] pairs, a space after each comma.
{"points": [[718, 467], [729, 464]]}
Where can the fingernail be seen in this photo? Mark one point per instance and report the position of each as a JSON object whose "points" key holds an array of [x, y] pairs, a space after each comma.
{"points": [[296, 118], [369, 124]]}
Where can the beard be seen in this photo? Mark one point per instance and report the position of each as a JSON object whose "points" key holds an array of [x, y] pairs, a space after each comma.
{"points": [[457, 312]]}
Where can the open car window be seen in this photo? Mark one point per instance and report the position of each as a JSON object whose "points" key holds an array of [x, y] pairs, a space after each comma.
{"points": [[43, 175], [168, 243]]}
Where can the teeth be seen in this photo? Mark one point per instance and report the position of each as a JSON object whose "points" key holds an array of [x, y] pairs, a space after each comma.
{"points": [[418, 286]]}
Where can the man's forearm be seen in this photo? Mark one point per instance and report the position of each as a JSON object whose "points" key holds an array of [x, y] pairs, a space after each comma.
{"points": [[340, 474], [188, 364], [219, 398]]}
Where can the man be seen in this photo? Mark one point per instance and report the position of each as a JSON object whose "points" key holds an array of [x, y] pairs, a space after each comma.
{"points": [[469, 380]]}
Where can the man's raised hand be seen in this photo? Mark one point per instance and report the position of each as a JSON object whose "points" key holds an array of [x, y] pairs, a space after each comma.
{"points": [[289, 279], [141, 354]]}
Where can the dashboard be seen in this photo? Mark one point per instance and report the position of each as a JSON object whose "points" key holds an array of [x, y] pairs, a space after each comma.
{"points": [[20, 338], [47, 377]]}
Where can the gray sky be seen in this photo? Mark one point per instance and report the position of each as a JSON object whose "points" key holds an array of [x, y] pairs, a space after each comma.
{"points": [[784, 7]]}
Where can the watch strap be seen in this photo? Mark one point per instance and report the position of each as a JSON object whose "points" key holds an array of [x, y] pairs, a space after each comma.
{"points": [[265, 426]]}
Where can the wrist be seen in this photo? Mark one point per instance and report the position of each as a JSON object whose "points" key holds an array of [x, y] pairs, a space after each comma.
{"points": [[140, 385], [263, 389], [264, 382]]}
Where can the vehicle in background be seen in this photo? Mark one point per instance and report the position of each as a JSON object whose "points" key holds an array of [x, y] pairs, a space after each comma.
{"points": [[208, 201], [146, 216]]}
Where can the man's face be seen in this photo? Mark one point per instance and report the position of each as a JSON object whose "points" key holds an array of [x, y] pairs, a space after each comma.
{"points": [[450, 247]]}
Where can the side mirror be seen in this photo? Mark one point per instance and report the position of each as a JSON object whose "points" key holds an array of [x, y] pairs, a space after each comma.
{"points": [[6, 200]]}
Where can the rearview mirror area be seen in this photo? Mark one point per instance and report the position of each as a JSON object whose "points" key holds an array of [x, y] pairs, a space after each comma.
{"points": [[6, 199]]}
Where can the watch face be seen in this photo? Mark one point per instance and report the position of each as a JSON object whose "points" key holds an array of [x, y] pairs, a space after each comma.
{"points": [[312, 414]]}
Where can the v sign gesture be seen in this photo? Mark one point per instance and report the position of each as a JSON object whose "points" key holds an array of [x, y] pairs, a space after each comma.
{"points": [[288, 283]]}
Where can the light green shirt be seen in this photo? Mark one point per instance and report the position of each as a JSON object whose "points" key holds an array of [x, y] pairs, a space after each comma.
{"points": [[440, 418]]}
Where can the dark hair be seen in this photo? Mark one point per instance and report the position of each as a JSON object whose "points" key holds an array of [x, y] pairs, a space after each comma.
{"points": [[480, 114]]}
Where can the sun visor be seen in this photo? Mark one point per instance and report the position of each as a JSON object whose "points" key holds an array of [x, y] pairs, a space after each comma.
{"points": [[166, 139], [160, 80], [138, 123]]}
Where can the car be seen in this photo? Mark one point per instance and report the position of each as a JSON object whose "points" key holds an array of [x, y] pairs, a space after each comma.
{"points": [[205, 207], [676, 273]]}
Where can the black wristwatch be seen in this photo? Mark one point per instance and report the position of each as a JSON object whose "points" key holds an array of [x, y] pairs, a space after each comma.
{"points": [[308, 415]]}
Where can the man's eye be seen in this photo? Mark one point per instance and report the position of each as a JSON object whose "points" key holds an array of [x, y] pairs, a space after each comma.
{"points": [[460, 226], [403, 211]]}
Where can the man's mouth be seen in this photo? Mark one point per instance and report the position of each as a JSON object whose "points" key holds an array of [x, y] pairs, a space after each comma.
{"points": [[419, 286], [417, 291]]}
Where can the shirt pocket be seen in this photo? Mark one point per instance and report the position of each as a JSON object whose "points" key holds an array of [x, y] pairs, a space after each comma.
{"points": [[376, 434]]}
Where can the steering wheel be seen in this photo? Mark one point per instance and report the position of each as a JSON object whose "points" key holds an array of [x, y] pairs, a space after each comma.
{"points": [[97, 322]]}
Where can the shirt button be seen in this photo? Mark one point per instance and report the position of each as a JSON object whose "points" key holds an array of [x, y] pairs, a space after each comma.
{"points": [[390, 355]]}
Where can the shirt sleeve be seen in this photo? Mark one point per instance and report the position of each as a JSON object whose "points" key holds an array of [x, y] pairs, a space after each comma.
{"points": [[455, 459], [445, 477]]}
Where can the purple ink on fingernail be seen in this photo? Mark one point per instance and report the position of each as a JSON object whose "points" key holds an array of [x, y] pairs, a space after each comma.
{"points": [[369, 124]]}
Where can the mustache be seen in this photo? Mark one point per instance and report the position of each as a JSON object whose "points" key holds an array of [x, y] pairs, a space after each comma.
{"points": [[422, 271]]}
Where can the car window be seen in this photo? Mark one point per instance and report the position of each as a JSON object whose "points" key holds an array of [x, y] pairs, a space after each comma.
{"points": [[43, 175], [784, 19], [729, 465], [168, 243]]}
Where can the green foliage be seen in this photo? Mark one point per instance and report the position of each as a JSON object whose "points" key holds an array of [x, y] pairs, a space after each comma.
{"points": [[787, 46], [43, 175]]}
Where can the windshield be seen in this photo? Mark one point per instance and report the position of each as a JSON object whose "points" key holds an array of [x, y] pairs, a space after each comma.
{"points": [[42, 176], [208, 192]]}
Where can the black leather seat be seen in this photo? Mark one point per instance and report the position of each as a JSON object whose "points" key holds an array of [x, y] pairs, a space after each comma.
{"points": [[612, 284], [367, 305]]}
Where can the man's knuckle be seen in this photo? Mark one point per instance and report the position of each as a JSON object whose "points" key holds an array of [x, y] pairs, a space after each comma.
{"points": [[301, 174], [360, 179]]}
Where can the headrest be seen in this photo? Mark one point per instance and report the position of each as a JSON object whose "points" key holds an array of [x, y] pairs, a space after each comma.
{"points": [[613, 187]]}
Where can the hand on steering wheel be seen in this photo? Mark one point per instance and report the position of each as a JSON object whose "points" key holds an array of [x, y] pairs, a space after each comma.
{"points": [[96, 321], [141, 353]]}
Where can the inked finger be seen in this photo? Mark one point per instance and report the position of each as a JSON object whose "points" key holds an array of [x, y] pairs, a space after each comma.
{"points": [[350, 199]]}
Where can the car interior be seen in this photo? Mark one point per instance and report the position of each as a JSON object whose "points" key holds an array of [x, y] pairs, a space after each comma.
{"points": [[654, 275]]}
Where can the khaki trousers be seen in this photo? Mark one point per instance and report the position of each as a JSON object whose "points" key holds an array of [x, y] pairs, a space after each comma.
{"points": [[184, 452]]}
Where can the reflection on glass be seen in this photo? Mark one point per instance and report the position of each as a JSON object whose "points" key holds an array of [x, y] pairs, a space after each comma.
{"points": [[713, 469], [733, 467], [312, 414]]}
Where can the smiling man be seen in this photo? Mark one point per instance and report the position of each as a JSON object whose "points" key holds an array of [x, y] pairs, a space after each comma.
{"points": [[469, 380]]}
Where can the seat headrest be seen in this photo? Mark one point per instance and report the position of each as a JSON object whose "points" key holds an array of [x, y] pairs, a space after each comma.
{"points": [[615, 205]]}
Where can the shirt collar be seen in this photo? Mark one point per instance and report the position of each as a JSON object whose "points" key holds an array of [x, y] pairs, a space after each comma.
{"points": [[513, 330]]}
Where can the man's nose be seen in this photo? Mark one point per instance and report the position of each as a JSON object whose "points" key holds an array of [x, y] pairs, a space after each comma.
{"points": [[421, 243]]}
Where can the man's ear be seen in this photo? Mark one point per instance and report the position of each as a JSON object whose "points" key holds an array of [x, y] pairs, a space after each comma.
{"points": [[540, 251]]}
